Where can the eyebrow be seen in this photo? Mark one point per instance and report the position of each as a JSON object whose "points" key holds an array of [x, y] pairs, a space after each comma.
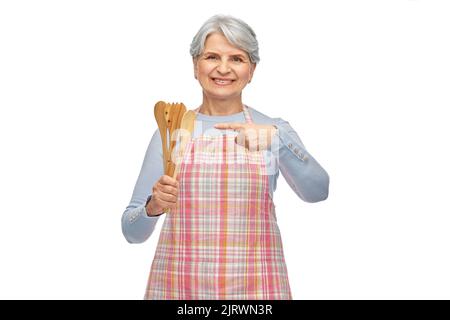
{"points": [[234, 55]]}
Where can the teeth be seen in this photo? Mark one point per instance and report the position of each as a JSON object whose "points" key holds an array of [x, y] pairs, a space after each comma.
{"points": [[218, 81]]}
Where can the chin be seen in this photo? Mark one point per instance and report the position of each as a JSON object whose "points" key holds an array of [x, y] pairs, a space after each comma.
{"points": [[221, 95]]}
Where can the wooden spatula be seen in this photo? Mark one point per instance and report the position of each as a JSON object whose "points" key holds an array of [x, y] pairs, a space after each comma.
{"points": [[187, 125], [168, 116]]}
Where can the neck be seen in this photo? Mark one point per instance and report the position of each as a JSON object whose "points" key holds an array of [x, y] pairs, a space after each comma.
{"points": [[214, 107]]}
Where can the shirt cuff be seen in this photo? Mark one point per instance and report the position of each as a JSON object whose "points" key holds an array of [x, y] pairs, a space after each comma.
{"points": [[283, 137], [145, 209]]}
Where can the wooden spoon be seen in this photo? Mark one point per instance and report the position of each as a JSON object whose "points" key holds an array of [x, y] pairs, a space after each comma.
{"points": [[160, 111], [168, 116], [174, 115], [187, 124], [187, 128]]}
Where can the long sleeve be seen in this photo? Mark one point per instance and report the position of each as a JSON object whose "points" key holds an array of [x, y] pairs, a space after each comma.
{"points": [[302, 172], [137, 226]]}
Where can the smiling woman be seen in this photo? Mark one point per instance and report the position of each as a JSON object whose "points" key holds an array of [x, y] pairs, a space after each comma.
{"points": [[221, 239], [223, 71]]}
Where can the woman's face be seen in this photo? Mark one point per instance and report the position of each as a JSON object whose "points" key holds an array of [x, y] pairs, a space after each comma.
{"points": [[223, 70]]}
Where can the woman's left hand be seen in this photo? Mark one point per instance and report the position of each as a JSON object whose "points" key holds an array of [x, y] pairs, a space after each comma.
{"points": [[254, 137]]}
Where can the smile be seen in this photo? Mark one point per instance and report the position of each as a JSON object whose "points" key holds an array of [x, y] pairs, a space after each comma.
{"points": [[222, 82]]}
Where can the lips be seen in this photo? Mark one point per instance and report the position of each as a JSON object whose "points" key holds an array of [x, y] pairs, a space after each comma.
{"points": [[222, 81]]}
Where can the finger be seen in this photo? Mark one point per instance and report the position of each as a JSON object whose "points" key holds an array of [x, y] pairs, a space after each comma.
{"points": [[240, 139], [169, 190], [229, 125], [168, 180], [163, 198], [167, 198]]}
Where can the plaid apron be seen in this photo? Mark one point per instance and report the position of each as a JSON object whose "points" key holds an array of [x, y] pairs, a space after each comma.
{"points": [[222, 240]]}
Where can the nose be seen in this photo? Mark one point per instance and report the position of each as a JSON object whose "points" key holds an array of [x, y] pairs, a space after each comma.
{"points": [[223, 67]]}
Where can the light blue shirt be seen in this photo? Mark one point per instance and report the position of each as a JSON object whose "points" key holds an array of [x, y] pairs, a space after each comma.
{"points": [[287, 154]]}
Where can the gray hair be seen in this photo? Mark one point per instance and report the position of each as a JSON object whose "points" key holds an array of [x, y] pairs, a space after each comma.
{"points": [[237, 32]]}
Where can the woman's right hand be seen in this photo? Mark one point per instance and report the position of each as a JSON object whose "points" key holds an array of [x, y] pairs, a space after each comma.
{"points": [[164, 195]]}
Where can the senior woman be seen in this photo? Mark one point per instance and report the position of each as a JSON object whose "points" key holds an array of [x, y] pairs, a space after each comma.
{"points": [[221, 239]]}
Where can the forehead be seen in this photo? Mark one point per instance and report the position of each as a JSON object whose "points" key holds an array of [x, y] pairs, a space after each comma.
{"points": [[217, 42]]}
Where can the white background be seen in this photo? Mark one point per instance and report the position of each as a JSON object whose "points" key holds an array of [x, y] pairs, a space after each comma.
{"points": [[364, 83]]}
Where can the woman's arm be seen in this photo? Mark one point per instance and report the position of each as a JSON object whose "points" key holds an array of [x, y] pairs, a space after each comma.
{"points": [[137, 226], [302, 172]]}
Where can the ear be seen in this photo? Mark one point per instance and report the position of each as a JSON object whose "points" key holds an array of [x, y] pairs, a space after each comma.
{"points": [[252, 70]]}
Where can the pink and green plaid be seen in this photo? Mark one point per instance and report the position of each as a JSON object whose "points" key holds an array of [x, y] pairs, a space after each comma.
{"points": [[222, 240]]}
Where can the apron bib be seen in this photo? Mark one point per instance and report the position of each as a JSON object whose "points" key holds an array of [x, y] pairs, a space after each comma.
{"points": [[222, 240]]}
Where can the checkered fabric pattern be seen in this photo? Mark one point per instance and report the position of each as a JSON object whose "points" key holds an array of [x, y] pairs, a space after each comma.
{"points": [[222, 240]]}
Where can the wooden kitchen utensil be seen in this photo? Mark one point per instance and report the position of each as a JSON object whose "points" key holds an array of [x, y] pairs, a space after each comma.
{"points": [[168, 116], [160, 110], [174, 114], [184, 136], [187, 125]]}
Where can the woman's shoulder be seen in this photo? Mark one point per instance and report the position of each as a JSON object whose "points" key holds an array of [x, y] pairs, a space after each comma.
{"points": [[259, 117]]}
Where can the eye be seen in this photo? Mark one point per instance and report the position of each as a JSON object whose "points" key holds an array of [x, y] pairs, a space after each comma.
{"points": [[237, 59], [212, 57]]}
